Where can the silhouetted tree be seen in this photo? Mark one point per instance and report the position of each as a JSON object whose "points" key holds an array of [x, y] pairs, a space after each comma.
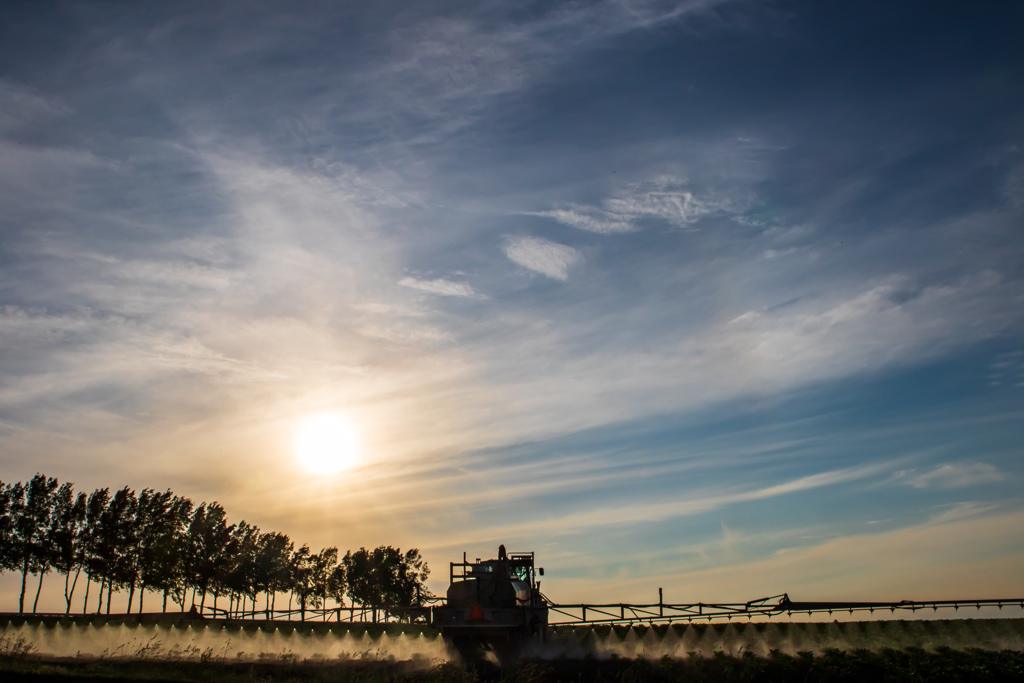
{"points": [[409, 579], [67, 538], [153, 524], [336, 585], [273, 554], [7, 560], [302, 581], [94, 563], [31, 507], [241, 566], [324, 565], [385, 577], [118, 541], [128, 565], [208, 538], [157, 541], [165, 566]]}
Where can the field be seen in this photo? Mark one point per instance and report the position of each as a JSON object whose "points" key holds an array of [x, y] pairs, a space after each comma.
{"points": [[96, 648], [834, 665]]}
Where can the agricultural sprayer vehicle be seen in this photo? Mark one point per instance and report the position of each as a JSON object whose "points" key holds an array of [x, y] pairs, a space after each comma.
{"points": [[497, 604]]}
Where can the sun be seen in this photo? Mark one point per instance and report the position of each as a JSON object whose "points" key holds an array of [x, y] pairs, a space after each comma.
{"points": [[326, 444]]}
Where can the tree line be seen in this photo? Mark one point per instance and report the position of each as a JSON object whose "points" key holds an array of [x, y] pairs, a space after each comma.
{"points": [[158, 542]]}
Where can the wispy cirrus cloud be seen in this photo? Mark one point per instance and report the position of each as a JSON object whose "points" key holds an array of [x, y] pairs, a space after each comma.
{"points": [[909, 562], [954, 512], [440, 286], [700, 502], [666, 198], [542, 256], [192, 260], [1007, 369], [953, 476], [589, 218], [21, 106], [470, 59]]}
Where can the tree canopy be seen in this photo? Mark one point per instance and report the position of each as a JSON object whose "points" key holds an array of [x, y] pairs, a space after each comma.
{"points": [[156, 541]]}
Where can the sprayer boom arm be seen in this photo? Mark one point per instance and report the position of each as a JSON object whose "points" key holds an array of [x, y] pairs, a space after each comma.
{"points": [[664, 613]]}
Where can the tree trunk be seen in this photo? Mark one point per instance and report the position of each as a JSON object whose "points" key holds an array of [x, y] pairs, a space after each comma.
{"points": [[85, 602], [165, 601], [39, 589], [110, 591], [99, 603], [142, 594], [24, 579], [131, 596], [202, 601], [74, 583]]}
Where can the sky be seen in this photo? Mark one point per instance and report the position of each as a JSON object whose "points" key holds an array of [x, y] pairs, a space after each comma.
{"points": [[725, 297]]}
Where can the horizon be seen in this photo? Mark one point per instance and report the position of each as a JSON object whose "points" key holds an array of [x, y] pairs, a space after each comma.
{"points": [[723, 297]]}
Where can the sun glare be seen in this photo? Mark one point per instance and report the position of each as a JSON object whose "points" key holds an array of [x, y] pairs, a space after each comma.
{"points": [[326, 444]]}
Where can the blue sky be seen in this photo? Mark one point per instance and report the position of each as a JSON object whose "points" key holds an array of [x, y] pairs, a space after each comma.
{"points": [[724, 296]]}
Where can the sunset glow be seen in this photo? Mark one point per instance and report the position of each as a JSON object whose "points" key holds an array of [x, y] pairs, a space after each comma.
{"points": [[719, 296]]}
